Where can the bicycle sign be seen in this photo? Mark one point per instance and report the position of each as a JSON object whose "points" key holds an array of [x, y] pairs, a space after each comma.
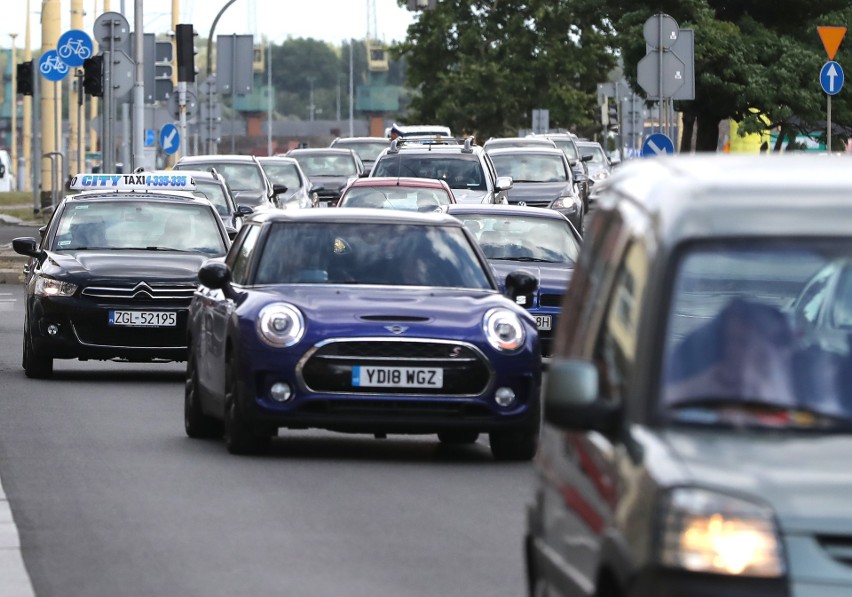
{"points": [[74, 47], [51, 67]]}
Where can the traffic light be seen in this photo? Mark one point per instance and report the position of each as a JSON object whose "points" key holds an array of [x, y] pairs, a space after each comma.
{"points": [[93, 76], [24, 76], [612, 114], [185, 42]]}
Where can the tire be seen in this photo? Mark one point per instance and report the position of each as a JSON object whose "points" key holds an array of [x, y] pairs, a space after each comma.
{"points": [[36, 366], [240, 436], [458, 437], [195, 422], [517, 444]]}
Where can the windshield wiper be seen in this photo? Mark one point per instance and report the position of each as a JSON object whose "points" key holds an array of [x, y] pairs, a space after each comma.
{"points": [[529, 259]]}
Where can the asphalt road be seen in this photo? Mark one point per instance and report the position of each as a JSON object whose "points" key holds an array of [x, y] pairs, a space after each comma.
{"points": [[10, 231], [111, 498]]}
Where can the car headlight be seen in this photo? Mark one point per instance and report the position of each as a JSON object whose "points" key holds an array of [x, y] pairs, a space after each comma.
{"points": [[504, 330], [45, 286], [599, 176], [280, 325], [565, 204], [706, 531]]}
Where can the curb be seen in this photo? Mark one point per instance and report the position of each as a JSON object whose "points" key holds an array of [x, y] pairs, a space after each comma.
{"points": [[11, 276]]}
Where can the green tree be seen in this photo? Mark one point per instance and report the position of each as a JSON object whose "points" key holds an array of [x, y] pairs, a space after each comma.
{"points": [[749, 55], [482, 66]]}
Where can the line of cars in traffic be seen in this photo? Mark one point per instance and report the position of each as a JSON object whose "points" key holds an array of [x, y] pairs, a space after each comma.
{"points": [[691, 434]]}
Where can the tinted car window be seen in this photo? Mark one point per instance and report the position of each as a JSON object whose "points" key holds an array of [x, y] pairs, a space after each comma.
{"points": [[241, 257], [132, 224], [214, 193], [731, 342], [531, 168], [285, 174], [362, 253], [459, 171]]}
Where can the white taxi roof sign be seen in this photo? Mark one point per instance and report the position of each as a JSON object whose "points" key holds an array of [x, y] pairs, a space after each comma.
{"points": [[168, 180]]}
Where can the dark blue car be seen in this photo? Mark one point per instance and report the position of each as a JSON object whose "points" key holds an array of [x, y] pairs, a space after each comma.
{"points": [[362, 321], [540, 241]]}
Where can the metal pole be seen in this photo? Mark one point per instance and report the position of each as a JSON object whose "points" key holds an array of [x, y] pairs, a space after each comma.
{"points": [[828, 131], [182, 115], [139, 89], [35, 157], [196, 127], [210, 37], [269, 94], [233, 90], [81, 158], [351, 88], [108, 140], [57, 140], [660, 81], [13, 165]]}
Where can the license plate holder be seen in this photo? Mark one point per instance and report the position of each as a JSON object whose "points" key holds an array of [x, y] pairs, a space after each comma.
{"points": [[142, 319], [370, 376]]}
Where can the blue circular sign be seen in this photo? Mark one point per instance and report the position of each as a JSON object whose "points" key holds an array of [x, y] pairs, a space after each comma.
{"points": [[831, 77], [74, 47], [169, 139], [51, 67], [657, 144]]}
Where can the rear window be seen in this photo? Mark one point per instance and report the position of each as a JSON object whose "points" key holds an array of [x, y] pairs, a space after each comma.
{"points": [[461, 171]]}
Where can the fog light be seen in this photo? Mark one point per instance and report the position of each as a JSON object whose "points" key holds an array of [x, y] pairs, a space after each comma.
{"points": [[281, 392], [504, 396], [52, 329]]}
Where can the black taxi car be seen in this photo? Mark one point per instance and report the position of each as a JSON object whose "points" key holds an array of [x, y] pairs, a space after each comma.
{"points": [[115, 270]]}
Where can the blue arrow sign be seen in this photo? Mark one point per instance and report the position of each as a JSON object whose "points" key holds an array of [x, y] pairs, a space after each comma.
{"points": [[657, 144], [51, 67], [150, 138], [169, 138], [74, 47], [831, 77]]}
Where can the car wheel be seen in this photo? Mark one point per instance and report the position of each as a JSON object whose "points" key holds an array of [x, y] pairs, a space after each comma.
{"points": [[36, 366], [240, 436], [458, 437], [520, 443], [197, 424]]}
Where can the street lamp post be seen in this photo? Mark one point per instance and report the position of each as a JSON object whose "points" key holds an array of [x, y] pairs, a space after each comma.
{"points": [[14, 144], [211, 145]]}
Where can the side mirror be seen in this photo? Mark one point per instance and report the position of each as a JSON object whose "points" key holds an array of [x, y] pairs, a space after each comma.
{"points": [[244, 210], [215, 274], [571, 398], [504, 183], [587, 158], [27, 246], [279, 189], [520, 284]]}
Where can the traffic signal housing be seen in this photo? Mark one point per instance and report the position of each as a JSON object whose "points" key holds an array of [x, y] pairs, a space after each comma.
{"points": [[185, 47], [93, 76], [612, 113], [24, 77]]}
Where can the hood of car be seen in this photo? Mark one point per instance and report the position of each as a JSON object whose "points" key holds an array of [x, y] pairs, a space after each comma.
{"points": [[538, 191], [252, 198], [126, 265], [330, 184], [468, 196], [552, 278], [804, 476], [376, 308]]}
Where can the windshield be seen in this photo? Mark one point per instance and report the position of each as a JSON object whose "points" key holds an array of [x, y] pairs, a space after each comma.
{"points": [[567, 147], [368, 151], [368, 253], [759, 333], [598, 157], [327, 165], [286, 174], [396, 197], [214, 193], [128, 224], [240, 177], [459, 171], [523, 238], [531, 168]]}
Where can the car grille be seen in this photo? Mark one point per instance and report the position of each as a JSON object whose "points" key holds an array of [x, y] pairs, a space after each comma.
{"points": [[95, 329], [838, 548], [550, 300], [328, 367], [535, 202]]}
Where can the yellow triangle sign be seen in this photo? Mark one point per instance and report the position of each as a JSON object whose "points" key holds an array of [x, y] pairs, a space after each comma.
{"points": [[831, 38]]}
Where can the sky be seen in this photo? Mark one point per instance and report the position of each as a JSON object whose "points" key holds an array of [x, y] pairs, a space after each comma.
{"points": [[329, 20]]}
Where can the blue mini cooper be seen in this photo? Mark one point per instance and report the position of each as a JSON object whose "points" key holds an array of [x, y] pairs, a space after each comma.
{"points": [[361, 321]]}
